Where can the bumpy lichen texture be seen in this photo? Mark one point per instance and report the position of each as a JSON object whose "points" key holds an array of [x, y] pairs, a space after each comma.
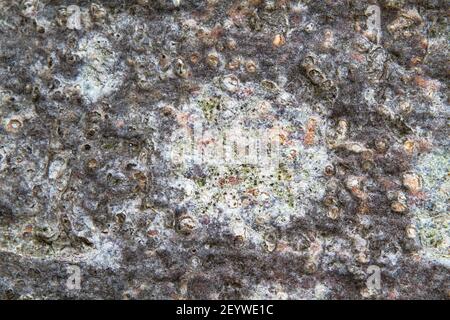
{"points": [[115, 115]]}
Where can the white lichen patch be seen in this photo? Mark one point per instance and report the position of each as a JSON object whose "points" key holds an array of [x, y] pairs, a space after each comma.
{"points": [[100, 73], [244, 188], [107, 254]]}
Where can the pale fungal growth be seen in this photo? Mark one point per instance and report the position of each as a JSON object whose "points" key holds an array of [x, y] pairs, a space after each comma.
{"points": [[73, 17]]}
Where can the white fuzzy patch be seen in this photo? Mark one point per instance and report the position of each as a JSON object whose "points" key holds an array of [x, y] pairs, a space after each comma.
{"points": [[99, 75]]}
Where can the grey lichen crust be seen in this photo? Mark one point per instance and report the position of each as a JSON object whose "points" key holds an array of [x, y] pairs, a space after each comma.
{"points": [[99, 170]]}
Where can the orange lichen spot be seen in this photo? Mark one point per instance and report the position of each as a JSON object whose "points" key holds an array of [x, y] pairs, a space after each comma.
{"points": [[278, 40]]}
